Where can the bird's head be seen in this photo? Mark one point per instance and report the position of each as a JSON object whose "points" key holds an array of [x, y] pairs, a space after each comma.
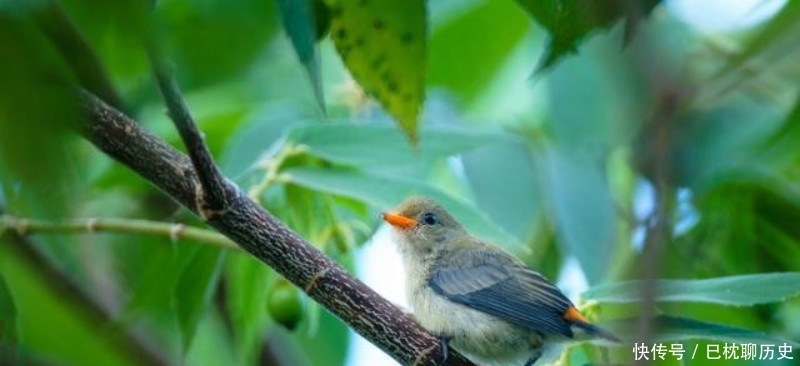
{"points": [[422, 224]]}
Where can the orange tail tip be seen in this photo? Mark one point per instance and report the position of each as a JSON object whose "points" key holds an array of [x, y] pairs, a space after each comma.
{"points": [[574, 316]]}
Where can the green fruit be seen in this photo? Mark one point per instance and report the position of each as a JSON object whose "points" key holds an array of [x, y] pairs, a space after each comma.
{"points": [[284, 305]]}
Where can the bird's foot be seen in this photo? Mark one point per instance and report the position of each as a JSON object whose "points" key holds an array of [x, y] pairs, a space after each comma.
{"points": [[444, 342]]}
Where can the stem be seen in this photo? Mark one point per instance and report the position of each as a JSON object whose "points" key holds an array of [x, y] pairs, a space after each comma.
{"points": [[214, 190], [23, 226], [272, 167]]}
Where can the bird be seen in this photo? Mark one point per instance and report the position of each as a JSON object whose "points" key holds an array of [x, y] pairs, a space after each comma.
{"points": [[476, 296]]}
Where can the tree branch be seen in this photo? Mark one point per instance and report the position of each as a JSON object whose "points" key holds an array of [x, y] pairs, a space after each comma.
{"points": [[265, 237]]}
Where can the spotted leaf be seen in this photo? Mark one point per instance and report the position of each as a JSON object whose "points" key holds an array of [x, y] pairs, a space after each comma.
{"points": [[382, 43]]}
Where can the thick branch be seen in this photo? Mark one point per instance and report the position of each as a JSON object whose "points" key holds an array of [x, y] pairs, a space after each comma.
{"points": [[266, 238]]}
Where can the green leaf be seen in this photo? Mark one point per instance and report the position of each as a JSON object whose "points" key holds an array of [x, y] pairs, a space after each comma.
{"points": [[299, 21], [250, 141], [212, 344], [382, 146], [195, 289], [158, 277], [582, 206], [288, 345], [776, 202], [671, 328], [782, 142], [247, 283], [116, 38], [383, 44], [8, 324], [330, 343], [514, 203], [41, 306], [734, 290], [464, 38], [27, 127], [385, 193], [202, 33], [569, 21]]}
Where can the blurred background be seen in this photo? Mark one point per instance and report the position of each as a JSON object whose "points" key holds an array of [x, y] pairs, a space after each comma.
{"points": [[662, 146]]}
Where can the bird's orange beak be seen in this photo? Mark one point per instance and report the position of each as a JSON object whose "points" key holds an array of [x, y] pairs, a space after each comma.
{"points": [[398, 221]]}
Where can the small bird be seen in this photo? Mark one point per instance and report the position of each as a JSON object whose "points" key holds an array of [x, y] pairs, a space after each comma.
{"points": [[476, 296]]}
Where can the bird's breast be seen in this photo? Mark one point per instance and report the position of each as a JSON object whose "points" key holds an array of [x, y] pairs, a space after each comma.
{"points": [[479, 335]]}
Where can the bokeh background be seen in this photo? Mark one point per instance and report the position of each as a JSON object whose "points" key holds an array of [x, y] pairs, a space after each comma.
{"points": [[669, 147]]}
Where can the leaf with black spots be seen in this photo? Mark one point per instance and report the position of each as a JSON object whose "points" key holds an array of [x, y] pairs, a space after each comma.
{"points": [[383, 43]]}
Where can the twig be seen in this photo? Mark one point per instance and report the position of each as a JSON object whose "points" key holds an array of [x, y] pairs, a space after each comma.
{"points": [[271, 167], [658, 230], [76, 51], [214, 188], [266, 238], [175, 232]]}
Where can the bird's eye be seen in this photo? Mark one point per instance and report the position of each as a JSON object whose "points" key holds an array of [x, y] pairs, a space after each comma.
{"points": [[429, 218]]}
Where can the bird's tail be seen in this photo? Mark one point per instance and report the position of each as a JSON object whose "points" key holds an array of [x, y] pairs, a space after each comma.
{"points": [[573, 316], [598, 332]]}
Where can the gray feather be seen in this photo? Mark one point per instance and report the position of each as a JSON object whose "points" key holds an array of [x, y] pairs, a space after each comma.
{"points": [[497, 284]]}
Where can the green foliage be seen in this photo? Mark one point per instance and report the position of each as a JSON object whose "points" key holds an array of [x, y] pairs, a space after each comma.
{"points": [[196, 287], [348, 144], [586, 233], [8, 324], [745, 290], [246, 293], [305, 21], [770, 44], [569, 21], [213, 41], [473, 35], [379, 178], [563, 169], [675, 329], [39, 310], [27, 63]]}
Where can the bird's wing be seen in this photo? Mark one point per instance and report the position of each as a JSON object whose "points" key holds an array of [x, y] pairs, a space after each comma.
{"points": [[497, 284]]}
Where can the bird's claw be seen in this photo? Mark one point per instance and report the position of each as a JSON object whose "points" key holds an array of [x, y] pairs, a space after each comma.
{"points": [[444, 342]]}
